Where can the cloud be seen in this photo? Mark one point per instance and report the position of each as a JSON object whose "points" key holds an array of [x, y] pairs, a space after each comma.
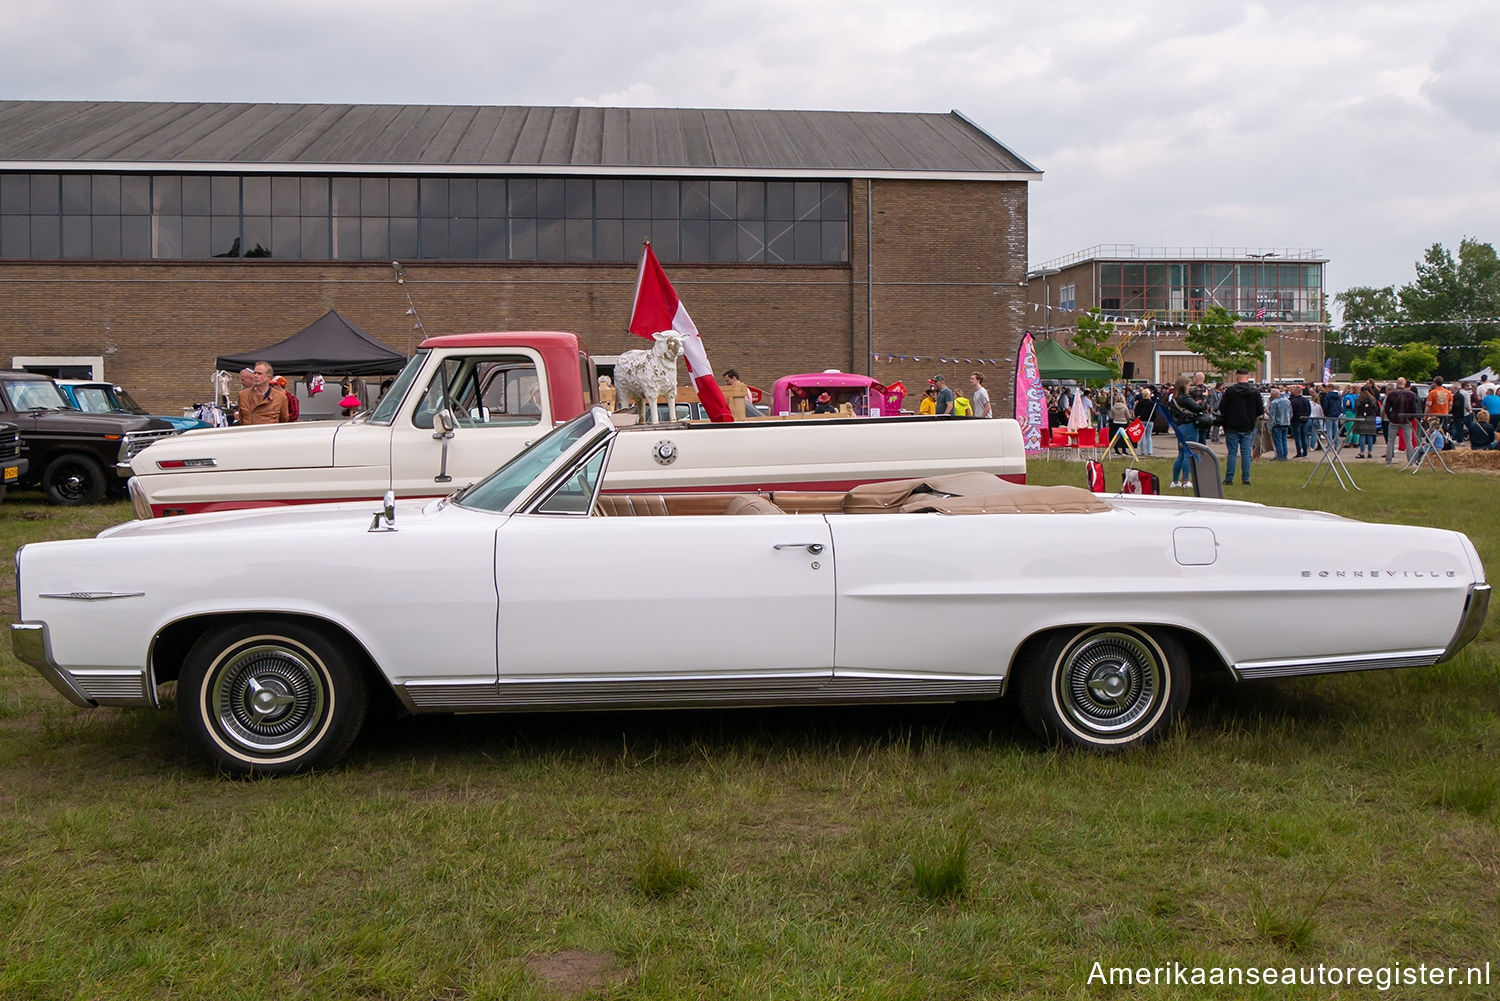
{"points": [[1368, 130], [1465, 81]]}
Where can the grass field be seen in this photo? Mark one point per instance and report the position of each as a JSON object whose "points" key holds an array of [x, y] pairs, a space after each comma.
{"points": [[935, 852]]}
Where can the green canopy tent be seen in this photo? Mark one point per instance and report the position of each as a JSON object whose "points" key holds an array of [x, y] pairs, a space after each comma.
{"points": [[1054, 361]]}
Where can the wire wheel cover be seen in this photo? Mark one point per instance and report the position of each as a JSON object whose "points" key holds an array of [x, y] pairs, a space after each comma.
{"points": [[269, 696], [1109, 681]]}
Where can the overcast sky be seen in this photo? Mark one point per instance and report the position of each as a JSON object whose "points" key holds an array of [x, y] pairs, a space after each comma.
{"points": [[1365, 130]]}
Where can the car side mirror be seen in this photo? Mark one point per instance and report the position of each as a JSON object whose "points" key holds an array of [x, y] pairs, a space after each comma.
{"points": [[445, 420]]}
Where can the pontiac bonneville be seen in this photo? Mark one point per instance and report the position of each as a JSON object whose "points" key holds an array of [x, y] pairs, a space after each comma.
{"points": [[951, 588]]}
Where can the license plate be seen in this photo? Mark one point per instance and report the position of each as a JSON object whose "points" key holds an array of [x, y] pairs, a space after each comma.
{"points": [[12, 472]]}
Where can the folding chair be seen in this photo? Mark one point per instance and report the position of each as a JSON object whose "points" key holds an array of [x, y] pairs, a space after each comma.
{"points": [[1139, 481], [1206, 479], [1088, 442]]}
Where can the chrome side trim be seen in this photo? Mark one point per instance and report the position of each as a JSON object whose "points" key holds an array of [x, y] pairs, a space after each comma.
{"points": [[114, 686], [93, 595], [32, 646], [1475, 608], [1256, 670], [664, 691]]}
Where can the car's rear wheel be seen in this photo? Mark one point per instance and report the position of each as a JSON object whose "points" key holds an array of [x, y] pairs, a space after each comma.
{"points": [[1105, 687], [73, 479], [271, 698]]}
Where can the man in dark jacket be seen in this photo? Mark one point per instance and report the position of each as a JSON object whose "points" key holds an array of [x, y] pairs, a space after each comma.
{"points": [[1301, 412], [1239, 406], [1333, 412], [1400, 413]]}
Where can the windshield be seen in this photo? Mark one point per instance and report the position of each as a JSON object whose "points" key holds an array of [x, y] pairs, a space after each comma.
{"points": [[127, 402], [35, 395], [496, 491], [385, 410], [92, 399]]}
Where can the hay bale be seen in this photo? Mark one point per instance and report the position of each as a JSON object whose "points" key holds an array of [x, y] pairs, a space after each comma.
{"points": [[1467, 459]]}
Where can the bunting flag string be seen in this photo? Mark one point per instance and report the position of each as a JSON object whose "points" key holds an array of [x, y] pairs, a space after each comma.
{"points": [[895, 356], [1347, 335]]}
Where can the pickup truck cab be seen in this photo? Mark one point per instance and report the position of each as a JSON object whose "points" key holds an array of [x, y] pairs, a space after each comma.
{"points": [[466, 403], [75, 457], [94, 397]]}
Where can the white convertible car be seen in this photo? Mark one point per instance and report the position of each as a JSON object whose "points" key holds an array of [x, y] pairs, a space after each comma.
{"points": [[535, 589]]}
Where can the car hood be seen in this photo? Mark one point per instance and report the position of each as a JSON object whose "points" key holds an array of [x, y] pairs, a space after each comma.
{"points": [[326, 520], [264, 446], [79, 422]]}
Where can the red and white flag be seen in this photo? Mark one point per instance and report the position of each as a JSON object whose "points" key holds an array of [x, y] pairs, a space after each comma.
{"points": [[657, 308]]}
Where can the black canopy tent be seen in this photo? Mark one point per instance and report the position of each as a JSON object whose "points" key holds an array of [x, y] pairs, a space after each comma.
{"points": [[330, 345]]}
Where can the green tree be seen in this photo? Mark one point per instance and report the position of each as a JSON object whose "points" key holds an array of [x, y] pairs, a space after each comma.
{"points": [[1369, 314], [1491, 357], [1417, 361], [1091, 340], [1226, 346], [1448, 295]]}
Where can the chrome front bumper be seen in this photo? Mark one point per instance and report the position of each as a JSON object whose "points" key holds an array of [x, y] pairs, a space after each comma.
{"points": [[87, 687]]}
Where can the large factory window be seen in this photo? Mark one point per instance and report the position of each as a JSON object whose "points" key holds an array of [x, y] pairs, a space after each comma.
{"points": [[314, 218]]}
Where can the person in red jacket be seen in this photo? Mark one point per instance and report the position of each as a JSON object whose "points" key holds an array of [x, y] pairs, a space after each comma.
{"points": [[293, 408]]}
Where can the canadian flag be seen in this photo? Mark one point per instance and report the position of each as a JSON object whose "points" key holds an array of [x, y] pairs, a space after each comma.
{"points": [[657, 308]]}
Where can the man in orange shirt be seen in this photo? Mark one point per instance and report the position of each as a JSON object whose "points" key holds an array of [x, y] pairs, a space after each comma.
{"points": [[1439, 399], [263, 403]]}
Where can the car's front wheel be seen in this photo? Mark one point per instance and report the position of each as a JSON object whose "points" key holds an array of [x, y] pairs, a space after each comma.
{"points": [[271, 698], [1105, 687], [73, 479]]}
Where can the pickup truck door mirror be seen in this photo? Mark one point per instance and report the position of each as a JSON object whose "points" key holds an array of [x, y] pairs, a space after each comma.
{"points": [[445, 424]]}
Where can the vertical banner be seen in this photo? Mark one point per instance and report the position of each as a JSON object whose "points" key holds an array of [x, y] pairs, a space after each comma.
{"points": [[1031, 400]]}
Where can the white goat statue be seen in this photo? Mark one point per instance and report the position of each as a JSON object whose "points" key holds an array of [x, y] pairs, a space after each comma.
{"points": [[641, 376]]}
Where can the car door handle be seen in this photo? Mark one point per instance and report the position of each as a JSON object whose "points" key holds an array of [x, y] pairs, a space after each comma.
{"points": [[813, 547]]}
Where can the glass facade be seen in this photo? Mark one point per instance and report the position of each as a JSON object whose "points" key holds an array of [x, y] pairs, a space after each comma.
{"points": [[447, 218], [1177, 292]]}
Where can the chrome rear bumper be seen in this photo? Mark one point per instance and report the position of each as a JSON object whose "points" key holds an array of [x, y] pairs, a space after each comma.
{"points": [[87, 687], [1473, 619]]}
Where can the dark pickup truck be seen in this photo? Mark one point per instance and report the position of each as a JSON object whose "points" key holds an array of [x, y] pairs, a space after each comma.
{"points": [[75, 457], [12, 466]]}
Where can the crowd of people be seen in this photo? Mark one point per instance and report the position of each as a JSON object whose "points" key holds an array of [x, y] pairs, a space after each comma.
{"points": [[1292, 421], [939, 400]]}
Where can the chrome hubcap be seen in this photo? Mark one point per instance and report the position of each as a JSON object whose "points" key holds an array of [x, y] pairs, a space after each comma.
{"points": [[268, 697], [1110, 680]]}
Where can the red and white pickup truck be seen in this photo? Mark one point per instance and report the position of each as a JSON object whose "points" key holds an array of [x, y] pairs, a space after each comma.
{"points": [[467, 403]]}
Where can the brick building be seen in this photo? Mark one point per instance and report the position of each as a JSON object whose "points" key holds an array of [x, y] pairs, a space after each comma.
{"points": [[140, 241], [1153, 295]]}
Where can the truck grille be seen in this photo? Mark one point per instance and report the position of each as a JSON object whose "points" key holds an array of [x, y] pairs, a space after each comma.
{"points": [[10, 444], [137, 440]]}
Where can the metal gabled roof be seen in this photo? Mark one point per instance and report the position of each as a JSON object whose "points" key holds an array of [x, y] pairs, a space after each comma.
{"points": [[408, 138]]}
